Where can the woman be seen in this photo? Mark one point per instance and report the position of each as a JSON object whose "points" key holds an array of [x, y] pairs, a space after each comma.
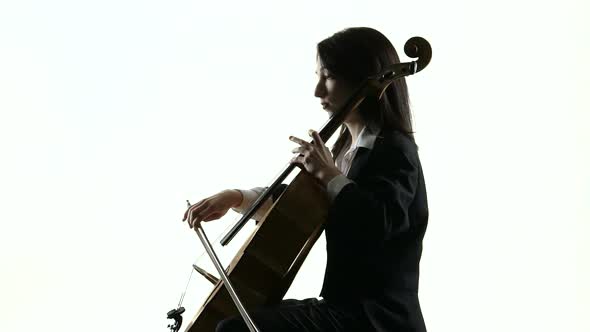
{"points": [[378, 212]]}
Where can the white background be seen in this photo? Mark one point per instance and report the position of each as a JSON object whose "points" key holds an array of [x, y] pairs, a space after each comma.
{"points": [[113, 113]]}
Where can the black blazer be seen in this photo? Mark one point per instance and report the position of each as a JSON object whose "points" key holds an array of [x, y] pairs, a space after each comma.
{"points": [[374, 236]]}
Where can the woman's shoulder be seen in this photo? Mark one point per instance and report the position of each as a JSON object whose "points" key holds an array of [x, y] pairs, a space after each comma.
{"points": [[398, 148], [395, 139]]}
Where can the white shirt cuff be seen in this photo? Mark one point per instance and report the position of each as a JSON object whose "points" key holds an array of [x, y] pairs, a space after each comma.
{"points": [[248, 197], [336, 184]]}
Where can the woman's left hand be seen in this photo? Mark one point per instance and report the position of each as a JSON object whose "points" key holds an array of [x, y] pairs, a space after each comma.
{"points": [[315, 158]]}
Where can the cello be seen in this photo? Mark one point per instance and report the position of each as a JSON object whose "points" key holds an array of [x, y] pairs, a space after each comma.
{"points": [[267, 263]]}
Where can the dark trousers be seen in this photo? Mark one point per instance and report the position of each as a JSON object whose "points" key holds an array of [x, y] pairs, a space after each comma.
{"points": [[297, 315]]}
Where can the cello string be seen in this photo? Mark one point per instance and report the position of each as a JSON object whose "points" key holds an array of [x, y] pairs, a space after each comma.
{"points": [[185, 289]]}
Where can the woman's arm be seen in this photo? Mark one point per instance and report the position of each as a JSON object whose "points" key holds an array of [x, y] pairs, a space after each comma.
{"points": [[377, 205], [250, 195]]}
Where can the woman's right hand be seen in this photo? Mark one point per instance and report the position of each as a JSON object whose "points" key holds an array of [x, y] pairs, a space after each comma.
{"points": [[212, 208]]}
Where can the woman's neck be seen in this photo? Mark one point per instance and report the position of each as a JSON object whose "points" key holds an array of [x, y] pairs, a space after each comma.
{"points": [[354, 128]]}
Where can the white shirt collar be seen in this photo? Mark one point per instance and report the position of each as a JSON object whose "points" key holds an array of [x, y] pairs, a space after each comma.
{"points": [[366, 139]]}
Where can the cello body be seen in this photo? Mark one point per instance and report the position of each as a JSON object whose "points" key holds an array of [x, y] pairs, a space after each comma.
{"points": [[265, 266]]}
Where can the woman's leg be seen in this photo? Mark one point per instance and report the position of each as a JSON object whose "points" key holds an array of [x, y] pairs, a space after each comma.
{"points": [[294, 315]]}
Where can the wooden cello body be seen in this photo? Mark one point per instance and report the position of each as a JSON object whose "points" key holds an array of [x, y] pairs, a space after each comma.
{"points": [[267, 263]]}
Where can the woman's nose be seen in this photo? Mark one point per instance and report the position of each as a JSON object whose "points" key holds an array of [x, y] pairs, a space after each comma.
{"points": [[320, 90]]}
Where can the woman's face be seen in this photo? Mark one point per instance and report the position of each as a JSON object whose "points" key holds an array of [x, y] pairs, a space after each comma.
{"points": [[333, 92]]}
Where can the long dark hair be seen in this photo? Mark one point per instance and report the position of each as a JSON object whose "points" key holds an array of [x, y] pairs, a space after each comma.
{"points": [[354, 54]]}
